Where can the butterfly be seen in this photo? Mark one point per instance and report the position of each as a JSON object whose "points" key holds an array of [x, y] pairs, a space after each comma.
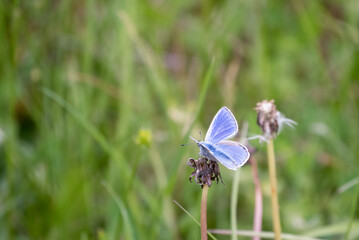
{"points": [[215, 146]]}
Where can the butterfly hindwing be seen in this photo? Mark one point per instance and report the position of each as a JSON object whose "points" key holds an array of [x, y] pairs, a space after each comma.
{"points": [[223, 126], [231, 154]]}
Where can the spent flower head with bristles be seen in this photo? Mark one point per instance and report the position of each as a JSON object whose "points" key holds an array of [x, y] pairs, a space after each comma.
{"points": [[267, 118], [270, 120]]}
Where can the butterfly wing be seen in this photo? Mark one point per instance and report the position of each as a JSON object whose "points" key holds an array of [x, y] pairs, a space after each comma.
{"points": [[231, 154], [223, 126]]}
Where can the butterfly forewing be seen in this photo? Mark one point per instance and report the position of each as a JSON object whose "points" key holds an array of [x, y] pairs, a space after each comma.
{"points": [[223, 126]]}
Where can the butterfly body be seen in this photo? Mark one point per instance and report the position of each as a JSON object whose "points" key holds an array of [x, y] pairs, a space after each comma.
{"points": [[215, 146], [207, 150]]}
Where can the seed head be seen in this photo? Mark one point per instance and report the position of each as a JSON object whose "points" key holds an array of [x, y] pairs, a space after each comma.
{"points": [[270, 120], [267, 118]]}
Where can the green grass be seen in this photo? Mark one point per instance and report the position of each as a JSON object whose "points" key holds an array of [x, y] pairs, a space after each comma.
{"points": [[97, 96]]}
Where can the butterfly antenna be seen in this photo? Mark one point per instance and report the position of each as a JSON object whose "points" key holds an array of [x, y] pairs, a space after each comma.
{"points": [[193, 139], [182, 145], [190, 143], [200, 133]]}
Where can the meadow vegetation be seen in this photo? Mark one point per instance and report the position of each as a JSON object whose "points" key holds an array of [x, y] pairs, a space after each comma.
{"points": [[96, 98]]}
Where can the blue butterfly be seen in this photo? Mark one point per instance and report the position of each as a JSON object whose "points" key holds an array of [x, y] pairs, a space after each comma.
{"points": [[214, 147]]}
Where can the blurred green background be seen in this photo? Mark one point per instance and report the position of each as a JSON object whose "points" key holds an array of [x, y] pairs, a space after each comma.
{"points": [[97, 96]]}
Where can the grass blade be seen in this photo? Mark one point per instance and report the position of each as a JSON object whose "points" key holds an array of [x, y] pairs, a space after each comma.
{"points": [[129, 232], [195, 220]]}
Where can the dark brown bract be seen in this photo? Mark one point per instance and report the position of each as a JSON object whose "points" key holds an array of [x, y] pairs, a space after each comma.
{"points": [[205, 171]]}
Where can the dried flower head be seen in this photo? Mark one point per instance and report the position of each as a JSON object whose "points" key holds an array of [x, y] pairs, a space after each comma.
{"points": [[270, 120], [267, 118], [205, 171]]}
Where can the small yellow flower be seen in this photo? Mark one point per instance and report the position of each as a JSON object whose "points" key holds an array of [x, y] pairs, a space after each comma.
{"points": [[144, 138]]}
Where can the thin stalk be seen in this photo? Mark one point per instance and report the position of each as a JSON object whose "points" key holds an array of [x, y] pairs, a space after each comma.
{"points": [[234, 196], [353, 210], [258, 207], [234, 200], [195, 220], [266, 235], [204, 212], [273, 183]]}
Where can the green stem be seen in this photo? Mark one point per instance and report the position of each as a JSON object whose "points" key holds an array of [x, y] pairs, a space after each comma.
{"points": [[273, 183], [235, 187], [204, 213], [234, 200], [353, 210], [258, 206]]}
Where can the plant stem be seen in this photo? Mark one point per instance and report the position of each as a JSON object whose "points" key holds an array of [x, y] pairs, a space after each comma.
{"points": [[234, 200], [273, 183], [235, 187], [353, 210], [204, 213], [258, 207]]}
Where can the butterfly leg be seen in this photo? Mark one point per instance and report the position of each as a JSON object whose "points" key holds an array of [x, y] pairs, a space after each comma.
{"points": [[215, 172], [190, 177], [221, 179], [192, 163]]}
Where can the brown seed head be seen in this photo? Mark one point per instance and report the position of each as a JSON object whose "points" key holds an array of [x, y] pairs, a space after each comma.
{"points": [[267, 118]]}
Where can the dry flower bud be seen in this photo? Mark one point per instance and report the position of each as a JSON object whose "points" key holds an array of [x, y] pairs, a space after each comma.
{"points": [[270, 120], [267, 118]]}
